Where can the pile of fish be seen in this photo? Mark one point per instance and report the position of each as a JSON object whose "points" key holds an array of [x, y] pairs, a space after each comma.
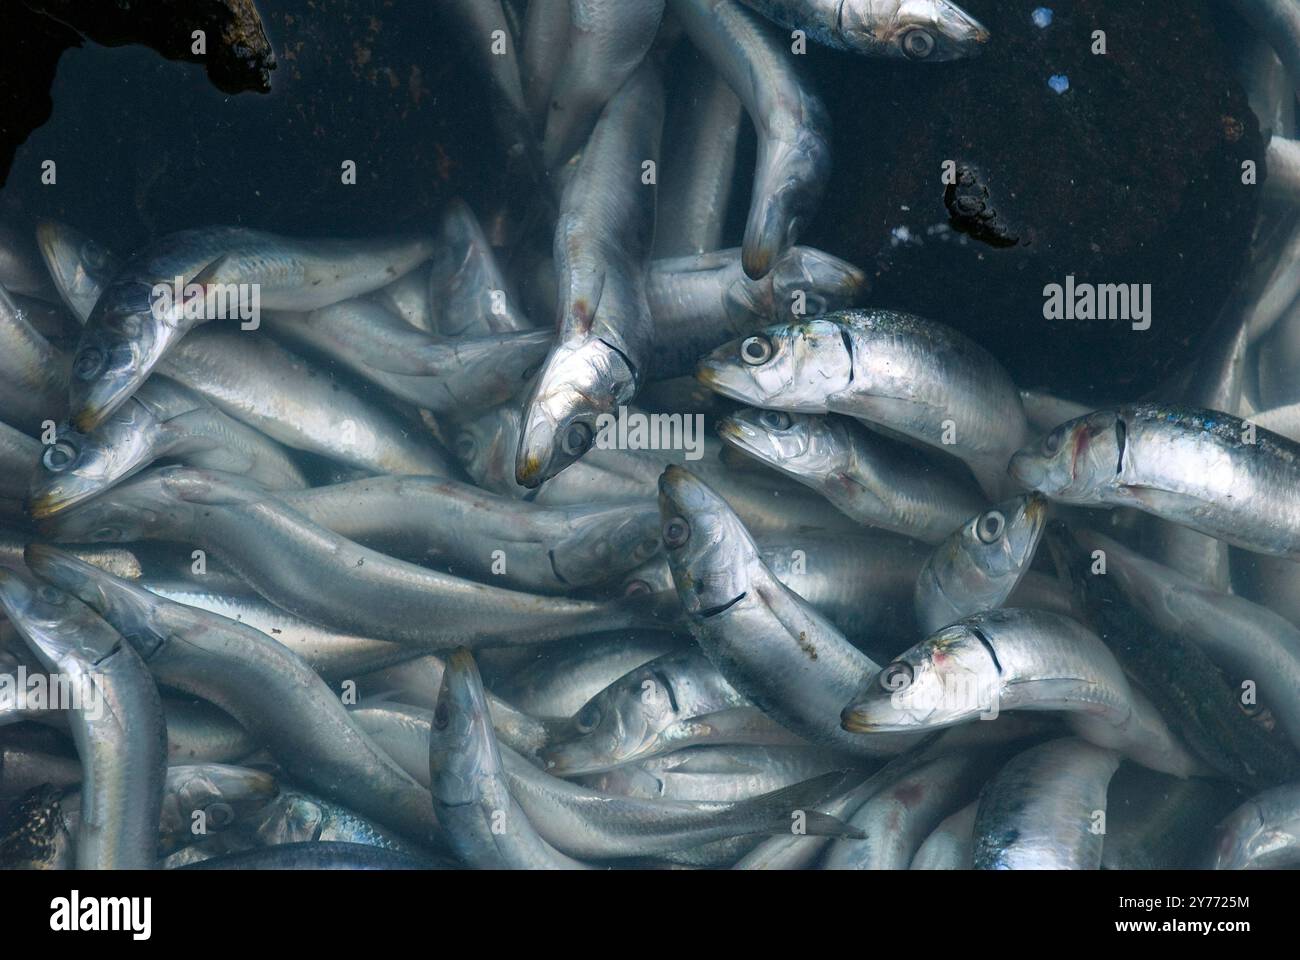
{"points": [[322, 555]]}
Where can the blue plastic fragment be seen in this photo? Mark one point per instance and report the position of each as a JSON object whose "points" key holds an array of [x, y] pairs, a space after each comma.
{"points": [[1059, 82], [1042, 17]]}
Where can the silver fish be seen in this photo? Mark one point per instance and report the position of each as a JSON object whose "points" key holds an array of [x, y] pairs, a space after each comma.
{"points": [[469, 294], [161, 420], [296, 816], [1203, 469], [20, 456], [1007, 660], [735, 772], [1039, 811], [1262, 834], [132, 327], [869, 478], [118, 728], [950, 845], [979, 566], [605, 332], [1278, 22], [921, 30], [33, 373], [1282, 158], [80, 267], [546, 36], [912, 376], [793, 127]]}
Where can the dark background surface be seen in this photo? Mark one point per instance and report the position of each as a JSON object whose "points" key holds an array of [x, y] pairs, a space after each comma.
{"points": [[1132, 176]]}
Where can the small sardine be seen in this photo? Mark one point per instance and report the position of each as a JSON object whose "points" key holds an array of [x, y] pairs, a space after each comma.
{"points": [[930, 30]]}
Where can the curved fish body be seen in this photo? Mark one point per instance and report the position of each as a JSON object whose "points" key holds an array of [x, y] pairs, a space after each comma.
{"points": [[331, 653], [409, 297], [161, 420], [1249, 641], [265, 686], [116, 722], [447, 376], [544, 549], [33, 373], [733, 772], [1278, 22], [929, 30], [469, 294], [1282, 158], [674, 701], [950, 846], [1262, 834], [911, 376], [296, 816], [322, 577], [768, 643], [699, 165], [1045, 411], [401, 729], [870, 478], [20, 458], [20, 267], [1210, 471], [897, 819], [80, 267], [980, 564], [1040, 810], [607, 41], [294, 403], [701, 301], [199, 732], [135, 324], [794, 155], [314, 855], [546, 37], [605, 332], [1006, 660], [485, 827]]}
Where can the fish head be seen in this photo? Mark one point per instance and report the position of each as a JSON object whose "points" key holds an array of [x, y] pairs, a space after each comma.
{"points": [[602, 541], [292, 817], [77, 466], [1244, 836], [486, 447], [805, 446], [463, 749], [1078, 462], [123, 340], [137, 509], [80, 267], [788, 366], [132, 610], [1000, 542], [946, 679], [619, 724], [221, 791], [709, 550], [65, 634], [807, 283], [580, 384], [920, 30]]}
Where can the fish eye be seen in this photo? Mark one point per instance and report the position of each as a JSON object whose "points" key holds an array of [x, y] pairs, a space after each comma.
{"points": [[466, 446], [576, 439], [676, 532], [441, 714], [918, 44], [59, 456], [89, 363], [756, 350], [587, 718], [1053, 441], [51, 595], [897, 676], [775, 420], [990, 526], [219, 814], [636, 588]]}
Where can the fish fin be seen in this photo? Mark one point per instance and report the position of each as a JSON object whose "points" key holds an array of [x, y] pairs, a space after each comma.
{"points": [[792, 807], [210, 273]]}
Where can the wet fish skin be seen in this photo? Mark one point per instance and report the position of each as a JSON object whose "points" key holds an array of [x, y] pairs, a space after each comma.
{"points": [[315, 855], [20, 267], [162, 419], [730, 772], [546, 549], [121, 736], [19, 456], [79, 266], [1199, 468], [265, 686], [912, 376], [295, 403], [1261, 834], [33, 373], [793, 127], [125, 338], [296, 816], [465, 277], [1037, 812], [950, 846], [767, 642], [869, 478], [546, 35], [979, 566], [1156, 822], [1013, 660], [928, 31], [485, 826], [605, 332]]}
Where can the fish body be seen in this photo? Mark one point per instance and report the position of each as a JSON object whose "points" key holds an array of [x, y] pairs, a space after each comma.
{"points": [[917, 30]]}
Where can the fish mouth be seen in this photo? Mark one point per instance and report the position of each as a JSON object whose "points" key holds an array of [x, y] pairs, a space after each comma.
{"points": [[854, 720]]}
